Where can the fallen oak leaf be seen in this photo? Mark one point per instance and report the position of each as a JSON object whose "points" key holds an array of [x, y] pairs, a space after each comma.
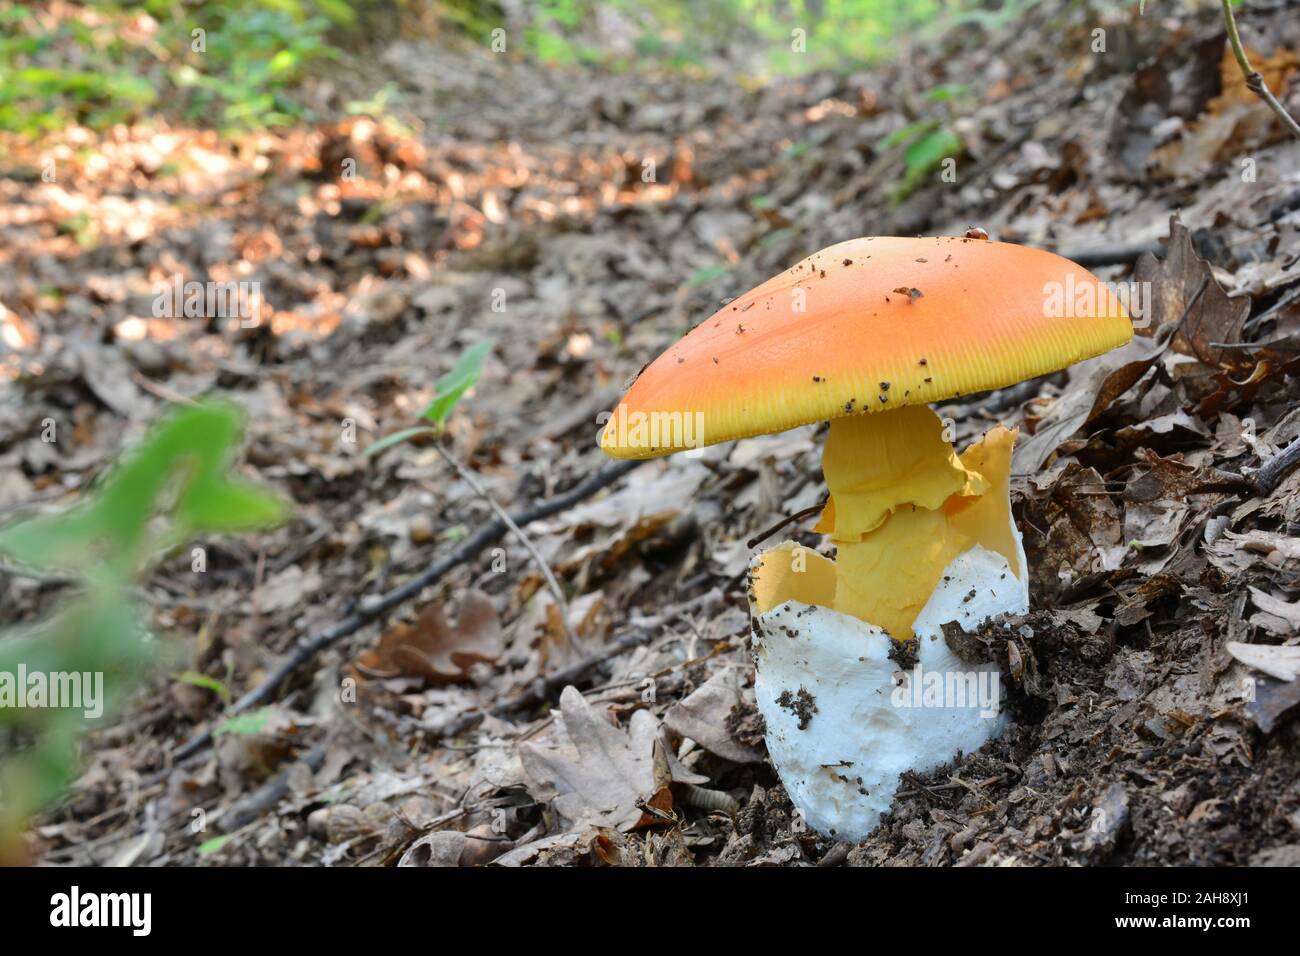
{"points": [[602, 775], [703, 717], [1268, 365], [432, 649], [1266, 543], [603, 531], [1189, 313], [1173, 479], [537, 851], [1233, 553], [1235, 120], [1082, 529], [1184, 291]]}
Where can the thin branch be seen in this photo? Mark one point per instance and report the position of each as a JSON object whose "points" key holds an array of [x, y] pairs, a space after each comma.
{"points": [[1272, 472], [486, 535], [251, 806], [1254, 79], [1109, 255], [1264, 481], [472, 480], [788, 519], [542, 690]]}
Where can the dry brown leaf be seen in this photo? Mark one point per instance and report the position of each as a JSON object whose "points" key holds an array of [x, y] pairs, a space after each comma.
{"points": [[1235, 121], [432, 649], [1234, 553], [703, 717], [1074, 537], [1272, 701], [1183, 289], [1188, 309], [649, 500], [1094, 385], [602, 776]]}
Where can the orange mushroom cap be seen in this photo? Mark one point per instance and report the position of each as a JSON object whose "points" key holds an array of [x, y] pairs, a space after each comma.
{"points": [[864, 326]]}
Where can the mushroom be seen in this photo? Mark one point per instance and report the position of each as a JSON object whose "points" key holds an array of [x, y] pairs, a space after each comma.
{"points": [[923, 536]]}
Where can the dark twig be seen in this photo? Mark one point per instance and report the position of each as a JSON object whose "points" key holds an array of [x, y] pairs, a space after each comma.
{"points": [[544, 689], [1263, 483], [253, 805], [488, 534], [788, 519], [1254, 79], [1092, 256], [1272, 472], [556, 591]]}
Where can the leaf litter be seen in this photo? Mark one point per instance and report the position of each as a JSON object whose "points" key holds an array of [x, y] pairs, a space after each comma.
{"points": [[1151, 686]]}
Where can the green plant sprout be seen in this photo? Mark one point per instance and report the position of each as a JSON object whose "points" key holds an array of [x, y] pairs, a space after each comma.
{"points": [[174, 486], [447, 393], [219, 687], [209, 847], [245, 725], [925, 144]]}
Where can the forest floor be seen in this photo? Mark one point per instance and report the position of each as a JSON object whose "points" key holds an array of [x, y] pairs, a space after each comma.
{"points": [[507, 202]]}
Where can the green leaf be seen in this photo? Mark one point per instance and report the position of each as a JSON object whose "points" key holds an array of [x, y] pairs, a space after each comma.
{"points": [[922, 157], [217, 504], [111, 531], [929, 151], [98, 633], [945, 91], [707, 274], [208, 847], [339, 11], [907, 133], [209, 683], [242, 725], [176, 483], [396, 438], [283, 62], [455, 383]]}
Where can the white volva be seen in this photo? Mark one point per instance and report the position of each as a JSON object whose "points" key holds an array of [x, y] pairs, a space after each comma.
{"points": [[871, 723]]}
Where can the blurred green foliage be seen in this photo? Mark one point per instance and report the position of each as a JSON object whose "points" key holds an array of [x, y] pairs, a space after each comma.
{"points": [[111, 61], [757, 36], [253, 53], [173, 487], [928, 142], [106, 61]]}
